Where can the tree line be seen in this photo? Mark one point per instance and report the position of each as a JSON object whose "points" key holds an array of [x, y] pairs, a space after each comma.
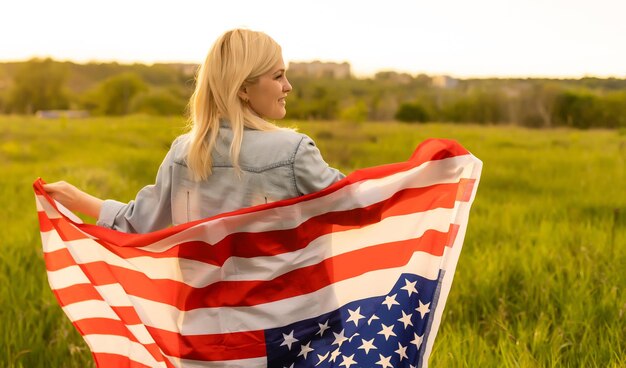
{"points": [[100, 88], [164, 89]]}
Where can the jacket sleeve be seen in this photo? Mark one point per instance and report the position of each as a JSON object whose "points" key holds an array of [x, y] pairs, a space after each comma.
{"points": [[311, 172], [149, 211]]}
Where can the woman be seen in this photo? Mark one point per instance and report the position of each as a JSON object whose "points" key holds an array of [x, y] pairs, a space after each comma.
{"points": [[232, 157]]}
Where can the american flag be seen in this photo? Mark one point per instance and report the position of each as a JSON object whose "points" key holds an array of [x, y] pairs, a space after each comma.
{"points": [[355, 275]]}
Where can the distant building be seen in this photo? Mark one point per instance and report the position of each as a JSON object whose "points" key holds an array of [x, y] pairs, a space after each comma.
{"points": [[318, 69], [444, 81], [56, 114], [400, 78]]}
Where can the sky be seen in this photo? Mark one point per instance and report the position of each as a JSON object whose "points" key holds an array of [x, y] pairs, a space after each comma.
{"points": [[460, 38]]}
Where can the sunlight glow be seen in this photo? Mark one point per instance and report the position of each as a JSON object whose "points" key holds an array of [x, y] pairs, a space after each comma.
{"points": [[557, 38]]}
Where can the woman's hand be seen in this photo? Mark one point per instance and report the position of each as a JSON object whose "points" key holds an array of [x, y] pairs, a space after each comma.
{"points": [[74, 199]]}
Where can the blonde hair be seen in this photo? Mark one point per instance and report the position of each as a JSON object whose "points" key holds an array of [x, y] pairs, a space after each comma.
{"points": [[237, 59]]}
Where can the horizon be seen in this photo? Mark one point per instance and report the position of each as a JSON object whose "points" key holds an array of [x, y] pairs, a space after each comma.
{"points": [[353, 73]]}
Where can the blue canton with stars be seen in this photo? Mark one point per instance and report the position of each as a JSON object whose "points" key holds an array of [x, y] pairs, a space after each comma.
{"points": [[386, 331]]}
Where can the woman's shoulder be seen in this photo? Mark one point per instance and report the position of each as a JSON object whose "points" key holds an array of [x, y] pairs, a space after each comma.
{"points": [[285, 141], [284, 135], [178, 148], [258, 147]]}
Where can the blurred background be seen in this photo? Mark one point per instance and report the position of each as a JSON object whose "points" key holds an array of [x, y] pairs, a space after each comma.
{"points": [[531, 63], [94, 93]]}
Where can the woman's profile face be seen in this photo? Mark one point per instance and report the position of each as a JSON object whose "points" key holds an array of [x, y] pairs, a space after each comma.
{"points": [[266, 97]]}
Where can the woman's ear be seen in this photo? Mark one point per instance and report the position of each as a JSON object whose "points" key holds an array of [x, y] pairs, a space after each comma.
{"points": [[243, 94]]}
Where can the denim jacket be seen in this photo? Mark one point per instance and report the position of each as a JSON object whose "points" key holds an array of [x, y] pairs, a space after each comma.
{"points": [[275, 165]]}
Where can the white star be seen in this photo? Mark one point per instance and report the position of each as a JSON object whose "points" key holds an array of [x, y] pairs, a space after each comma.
{"points": [[367, 345], [321, 358], [409, 287], [291, 366], [355, 316], [390, 300], [323, 327], [372, 318], [402, 351], [348, 361], [353, 336], [423, 309], [334, 355], [412, 366], [406, 319], [387, 331], [417, 340], [339, 338], [385, 362], [288, 340], [305, 350]]}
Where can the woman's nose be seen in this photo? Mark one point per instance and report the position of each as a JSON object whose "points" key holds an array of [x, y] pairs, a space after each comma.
{"points": [[287, 86]]}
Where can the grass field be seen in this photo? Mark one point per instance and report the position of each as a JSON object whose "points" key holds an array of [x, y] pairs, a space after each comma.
{"points": [[540, 281]]}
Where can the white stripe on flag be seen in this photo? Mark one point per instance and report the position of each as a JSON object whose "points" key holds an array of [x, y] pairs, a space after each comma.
{"points": [[68, 276], [119, 345], [51, 241], [239, 363], [89, 309], [141, 333], [45, 206]]}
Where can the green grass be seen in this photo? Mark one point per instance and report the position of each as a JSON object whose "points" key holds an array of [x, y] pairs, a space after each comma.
{"points": [[540, 281]]}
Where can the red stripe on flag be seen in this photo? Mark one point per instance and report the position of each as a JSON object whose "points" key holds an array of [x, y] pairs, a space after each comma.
{"points": [[437, 149], [247, 293], [452, 233], [464, 193], [106, 360], [128, 315], [58, 259], [77, 293], [67, 230], [105, 326], [44, 222], [227, 346]]}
